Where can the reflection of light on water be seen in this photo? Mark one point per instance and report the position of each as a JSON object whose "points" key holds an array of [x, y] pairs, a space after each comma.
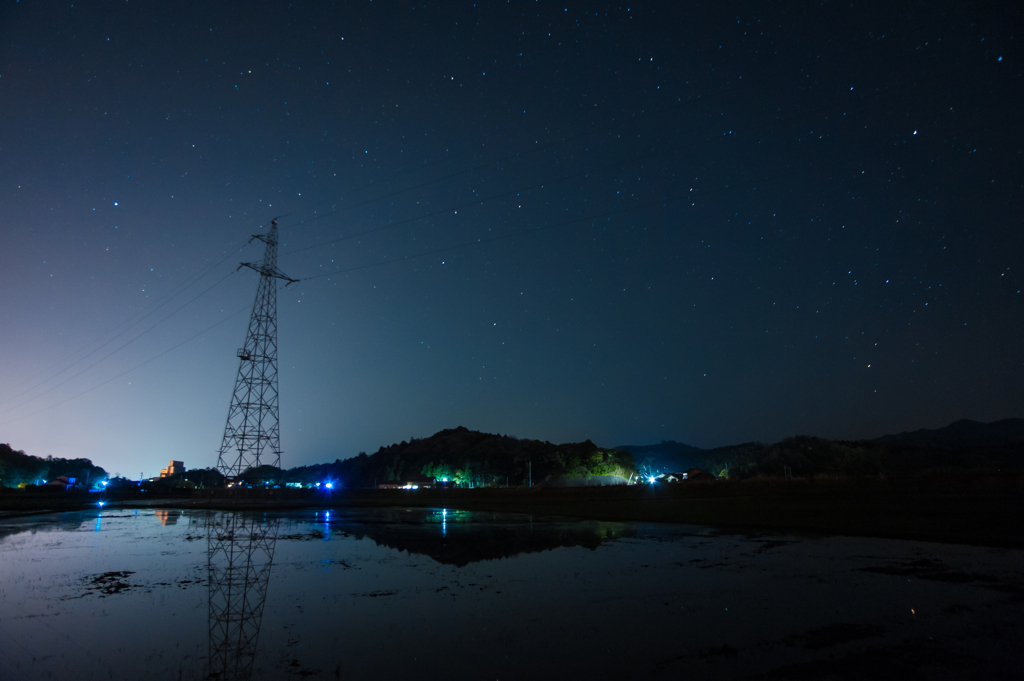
{"points": [[167, 517], [98, 519], [326, 523], [444, 521]]}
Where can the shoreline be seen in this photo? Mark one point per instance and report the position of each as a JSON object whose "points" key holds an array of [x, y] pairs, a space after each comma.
{"points": [[983, 512]]}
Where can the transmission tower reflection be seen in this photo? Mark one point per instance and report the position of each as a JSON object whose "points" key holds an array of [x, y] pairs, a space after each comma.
{"points": [[240, 554]]}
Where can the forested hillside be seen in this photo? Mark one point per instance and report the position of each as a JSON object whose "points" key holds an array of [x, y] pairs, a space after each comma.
{"points": [[470, 458], [18, 468]]}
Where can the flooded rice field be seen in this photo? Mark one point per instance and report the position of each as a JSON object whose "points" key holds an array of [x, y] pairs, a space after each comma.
{"points": [[435, 593]]}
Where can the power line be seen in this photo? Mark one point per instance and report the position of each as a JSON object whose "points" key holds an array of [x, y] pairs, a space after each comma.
{"points": [[760, 82], [121, 347], [511, 157], [175, 292], [545, 183], [137, 366], [475, 202], [479, 242], [518, 155], [566, 223]]}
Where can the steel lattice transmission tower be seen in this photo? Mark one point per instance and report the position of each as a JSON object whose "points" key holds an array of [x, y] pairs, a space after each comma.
{"points": [[240, 555], [251, 436]]}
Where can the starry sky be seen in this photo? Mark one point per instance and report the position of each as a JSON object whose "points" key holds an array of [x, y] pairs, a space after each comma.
{"points": [[710, 222]]}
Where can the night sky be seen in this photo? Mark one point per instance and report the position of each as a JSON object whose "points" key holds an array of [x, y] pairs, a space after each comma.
{"points": [[708, 222]]}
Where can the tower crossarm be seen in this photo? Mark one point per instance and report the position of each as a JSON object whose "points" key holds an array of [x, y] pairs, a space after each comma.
{"points": [[268, 271]]}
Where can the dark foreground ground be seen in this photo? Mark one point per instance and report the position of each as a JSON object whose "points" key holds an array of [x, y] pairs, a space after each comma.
{"points": [[982, 511], [406, 593]]}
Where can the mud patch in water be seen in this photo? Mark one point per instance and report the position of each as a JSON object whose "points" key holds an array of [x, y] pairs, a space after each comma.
{"points": [[110, 583]]}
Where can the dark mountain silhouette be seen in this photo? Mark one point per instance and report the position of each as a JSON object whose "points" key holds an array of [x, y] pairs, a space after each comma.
{"points": [[961, 446], [470, 458], [665, 457], [959, 434]]}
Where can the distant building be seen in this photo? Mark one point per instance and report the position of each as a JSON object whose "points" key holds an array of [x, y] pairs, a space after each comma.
{"points": [[412, 482], [173, 468], [699, 475], [61, 481], [694, 474]]}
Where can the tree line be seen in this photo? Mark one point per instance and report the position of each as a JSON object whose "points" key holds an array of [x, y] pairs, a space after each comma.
{"points": [[18, 469], [463, 457]]}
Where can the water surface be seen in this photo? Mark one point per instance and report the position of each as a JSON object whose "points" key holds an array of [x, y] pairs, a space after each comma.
{"points": [[435, 593]]}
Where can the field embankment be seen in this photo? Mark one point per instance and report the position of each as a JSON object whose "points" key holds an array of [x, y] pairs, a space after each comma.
{"points": [[987, 511]]}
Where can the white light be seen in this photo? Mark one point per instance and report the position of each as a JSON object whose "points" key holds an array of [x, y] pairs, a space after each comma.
{"points": [[651, 479], [330, 485]]}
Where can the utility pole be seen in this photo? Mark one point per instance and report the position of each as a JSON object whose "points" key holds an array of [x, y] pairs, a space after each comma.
{"points": [[252, 432]]}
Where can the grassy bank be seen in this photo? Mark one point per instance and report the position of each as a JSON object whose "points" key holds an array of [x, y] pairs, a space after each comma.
{"points": [[986, 511]]}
